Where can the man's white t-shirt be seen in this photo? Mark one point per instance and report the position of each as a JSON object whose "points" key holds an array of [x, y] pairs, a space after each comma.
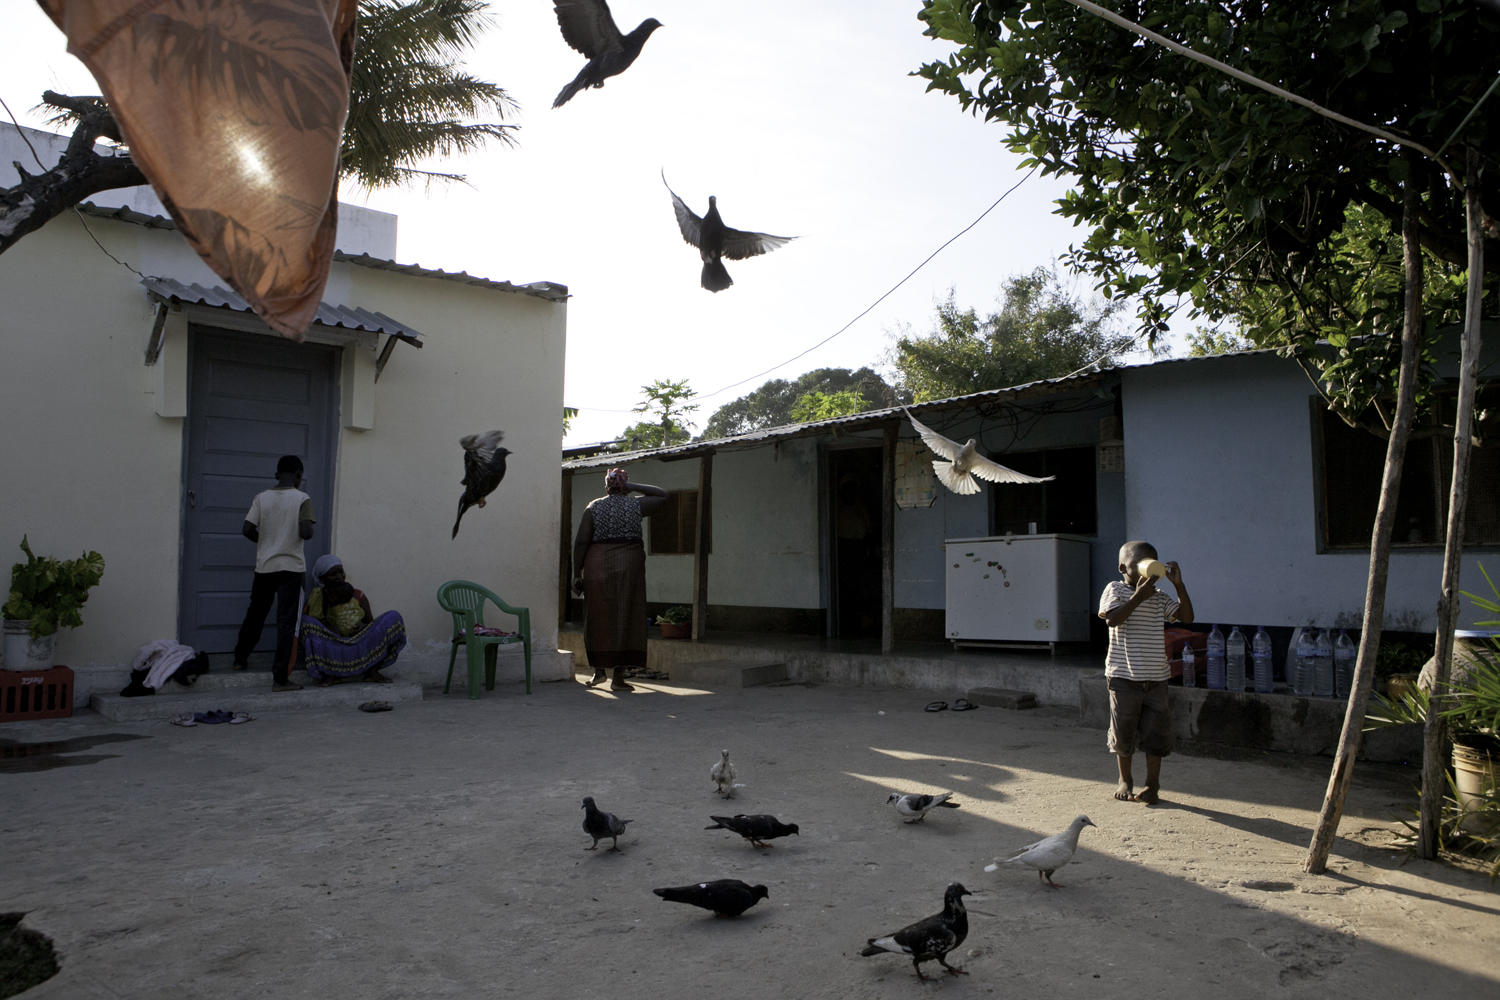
{"points": [[277, 514]]}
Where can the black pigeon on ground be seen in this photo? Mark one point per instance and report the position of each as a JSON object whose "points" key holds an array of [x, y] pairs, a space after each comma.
{"points": [[599, 824], [588, 26], [715, 240], [727, 897], [484, 467], [931, 938], [756, 829]]}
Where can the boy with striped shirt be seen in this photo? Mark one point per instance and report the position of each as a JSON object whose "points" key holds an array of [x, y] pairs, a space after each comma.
{"points": [[1136, 668]]}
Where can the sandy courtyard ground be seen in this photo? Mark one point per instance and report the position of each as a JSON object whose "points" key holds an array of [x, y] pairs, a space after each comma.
{"points": [[436, 851]]}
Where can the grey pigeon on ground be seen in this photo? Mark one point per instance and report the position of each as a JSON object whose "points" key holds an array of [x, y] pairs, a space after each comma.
{"points": [[757, 829], [722, 775], [715, 240], [588, 26], [727, 897], [484, 467], [599, 824], [1050, 853], [931, 938], [958, 464], [917, 805]]}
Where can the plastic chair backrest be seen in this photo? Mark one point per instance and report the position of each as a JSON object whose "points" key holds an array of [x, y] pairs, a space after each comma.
{"points": [[465, 600]]}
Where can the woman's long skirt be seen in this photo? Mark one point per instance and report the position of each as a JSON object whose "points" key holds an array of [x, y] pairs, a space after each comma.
{"points": [[326, 654], [614, 575]]}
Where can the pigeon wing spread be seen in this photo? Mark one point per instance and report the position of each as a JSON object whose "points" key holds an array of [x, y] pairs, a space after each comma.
{"points": [[997, 473], [689, 223], [934, 441], [588, 26], [964, 463], [738, 244], [484, 467]]}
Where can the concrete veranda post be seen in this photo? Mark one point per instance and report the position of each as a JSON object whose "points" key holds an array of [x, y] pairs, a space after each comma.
{"points": [[701, 545], [888, 538]]}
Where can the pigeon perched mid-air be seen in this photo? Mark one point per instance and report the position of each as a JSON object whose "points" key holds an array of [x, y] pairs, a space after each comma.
{"points": [[917, 805], [715, 240], [964, 463], [484, 467], [722, 775], [727, 897], [1050, 853], [756, 829], [588, 26], [599, 824], [931, 938]]}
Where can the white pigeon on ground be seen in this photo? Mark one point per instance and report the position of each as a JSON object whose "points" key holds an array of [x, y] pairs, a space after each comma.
{"points": [[1050, 853], [914, 807], [963, 462], [723, 774]]}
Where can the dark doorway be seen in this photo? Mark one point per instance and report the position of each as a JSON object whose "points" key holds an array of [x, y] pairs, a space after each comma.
{"points": [[251, 399], [854, 478]]}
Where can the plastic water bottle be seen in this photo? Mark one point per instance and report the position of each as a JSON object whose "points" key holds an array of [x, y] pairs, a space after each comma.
{"points": [[1261, 649], [1323, 669], [1307, 652], [1189, 665], [1344, 654], [1234, 677], [1216, 659]]}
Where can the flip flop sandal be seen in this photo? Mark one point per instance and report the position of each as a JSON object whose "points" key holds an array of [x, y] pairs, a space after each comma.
{"points": [[937, 706], [213, 718], [376, 706], [239, 718], [964, 705], [186, 719]]}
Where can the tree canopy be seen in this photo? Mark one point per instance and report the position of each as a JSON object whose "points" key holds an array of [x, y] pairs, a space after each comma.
{"points": [[1039, 331], [668, 404], [823, 390]]}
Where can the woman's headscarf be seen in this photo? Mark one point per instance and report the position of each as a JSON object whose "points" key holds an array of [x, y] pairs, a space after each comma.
{"points": [[615, 481], [325, 564]]}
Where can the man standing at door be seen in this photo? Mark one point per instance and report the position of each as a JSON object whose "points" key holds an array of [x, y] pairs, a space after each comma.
{"points": [[278, 522]]}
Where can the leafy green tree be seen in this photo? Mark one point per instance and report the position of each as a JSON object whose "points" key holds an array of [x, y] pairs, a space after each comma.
{"points": [[812, 406], [771, 405], [1040, 331], [667, 402], [1205, 342]]}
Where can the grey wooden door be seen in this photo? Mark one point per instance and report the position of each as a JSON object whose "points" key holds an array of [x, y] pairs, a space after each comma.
{"points": [[251, 399]]}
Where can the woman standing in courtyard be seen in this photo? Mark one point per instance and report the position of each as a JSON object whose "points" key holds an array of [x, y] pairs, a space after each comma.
{"points": [[609, 569]]}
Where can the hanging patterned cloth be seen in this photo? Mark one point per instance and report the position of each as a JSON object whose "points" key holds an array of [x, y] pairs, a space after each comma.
{"points": [[234, 111]]}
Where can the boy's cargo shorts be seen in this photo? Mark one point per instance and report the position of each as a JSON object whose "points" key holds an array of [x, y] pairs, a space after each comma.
{"points": [[1139, 717]]}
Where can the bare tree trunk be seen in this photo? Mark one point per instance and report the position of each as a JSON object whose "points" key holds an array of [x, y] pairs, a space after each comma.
{"points": [[1316, 861], [1434, 736]]}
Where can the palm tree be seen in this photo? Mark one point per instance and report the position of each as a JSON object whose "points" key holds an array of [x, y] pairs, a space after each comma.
{"points": [[410, 98]]}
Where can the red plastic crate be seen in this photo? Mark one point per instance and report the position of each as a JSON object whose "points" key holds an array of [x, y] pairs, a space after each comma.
{"points": [[36, 694]]}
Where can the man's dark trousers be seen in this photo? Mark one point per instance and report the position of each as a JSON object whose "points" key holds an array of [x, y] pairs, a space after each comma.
{"points": [[285, 588]]}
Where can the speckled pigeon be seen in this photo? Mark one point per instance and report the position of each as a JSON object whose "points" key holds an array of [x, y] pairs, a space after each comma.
{"points": [[727, 897], [917, 805], [484, 467], [931, 938], [599, 824], [588, 26], [715, 240]]}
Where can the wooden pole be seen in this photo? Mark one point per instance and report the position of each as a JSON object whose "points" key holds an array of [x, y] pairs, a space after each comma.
{"points": [[565, 550], [1434, 737], [1327, 828], [888, 538], [700, 546]]}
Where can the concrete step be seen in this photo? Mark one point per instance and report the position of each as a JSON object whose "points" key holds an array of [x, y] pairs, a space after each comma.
{"points": [[256, 698], [227, 680], [1002, 698], [729, 673]]}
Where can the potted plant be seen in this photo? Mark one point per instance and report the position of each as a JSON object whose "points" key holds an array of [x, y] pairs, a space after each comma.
{"points": [[45, 594], [676, 623]]}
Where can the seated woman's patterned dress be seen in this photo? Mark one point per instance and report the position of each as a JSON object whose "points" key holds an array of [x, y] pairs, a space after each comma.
{"points": [[341, 640]]}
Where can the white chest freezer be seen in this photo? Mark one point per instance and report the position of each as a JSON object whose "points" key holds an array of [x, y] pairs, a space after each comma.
{"points": [[1018, 588]]}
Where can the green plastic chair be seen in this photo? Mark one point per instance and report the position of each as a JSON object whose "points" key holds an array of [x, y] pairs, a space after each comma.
{"points": [[465, 601]]}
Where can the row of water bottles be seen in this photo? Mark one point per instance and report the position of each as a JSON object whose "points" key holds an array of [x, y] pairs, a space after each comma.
{"points": [[1323, 667]]}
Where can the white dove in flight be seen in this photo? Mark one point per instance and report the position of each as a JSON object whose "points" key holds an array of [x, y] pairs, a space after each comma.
{"points": [[963, 463]]}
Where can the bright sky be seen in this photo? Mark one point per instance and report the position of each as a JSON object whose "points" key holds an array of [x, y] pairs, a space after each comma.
{"points": [[801, 117]]}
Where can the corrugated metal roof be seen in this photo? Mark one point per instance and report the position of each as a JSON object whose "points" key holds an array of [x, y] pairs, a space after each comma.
{"points": [[347, 317], [1044, 387]]}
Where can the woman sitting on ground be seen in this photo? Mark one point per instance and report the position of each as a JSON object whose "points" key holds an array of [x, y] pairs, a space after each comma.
{"points": [[341, 639]]}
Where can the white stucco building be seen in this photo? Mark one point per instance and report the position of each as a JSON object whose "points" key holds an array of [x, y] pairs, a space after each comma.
{"points": [[141, 412]]}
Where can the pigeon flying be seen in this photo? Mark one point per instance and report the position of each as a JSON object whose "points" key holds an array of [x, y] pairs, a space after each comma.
{"points": [[756, 829], [1049, 854], [931, 938], [588, 26], [715, 240], [917, 805], [964, 463], [484, 467], [722, 775], [598, 824], [728, 897]]}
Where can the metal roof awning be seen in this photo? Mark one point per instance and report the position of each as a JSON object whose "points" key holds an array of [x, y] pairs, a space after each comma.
{"points": [[166, 290]]}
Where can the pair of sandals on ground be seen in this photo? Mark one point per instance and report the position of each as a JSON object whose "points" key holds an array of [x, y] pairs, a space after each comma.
{"points": [[961, 705]]}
